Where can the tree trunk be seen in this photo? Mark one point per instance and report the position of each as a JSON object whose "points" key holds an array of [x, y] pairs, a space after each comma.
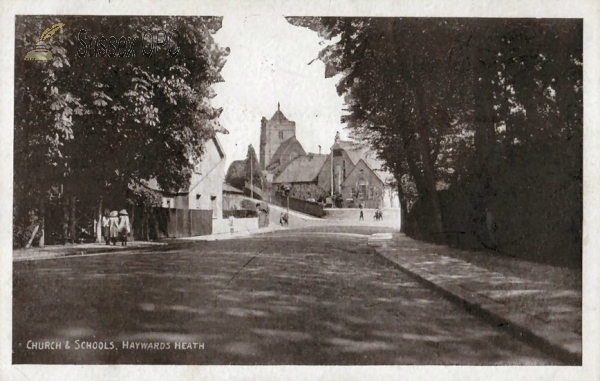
{"points": [[424, 147], [146, 227], [99, 225], [65, 221], [484, 123], [403, 208], [131, 222], [73, 220], [42, 242]]}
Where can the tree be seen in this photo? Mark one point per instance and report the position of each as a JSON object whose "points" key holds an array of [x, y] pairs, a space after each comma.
{"points": [[98, 125], [253, 170], [488, 109]]}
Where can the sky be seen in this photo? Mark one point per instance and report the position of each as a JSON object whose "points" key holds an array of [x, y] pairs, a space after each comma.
{"points": [[268, 63]]}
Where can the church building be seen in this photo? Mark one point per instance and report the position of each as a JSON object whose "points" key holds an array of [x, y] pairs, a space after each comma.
{"points": [[278, 143], [348, 172]]}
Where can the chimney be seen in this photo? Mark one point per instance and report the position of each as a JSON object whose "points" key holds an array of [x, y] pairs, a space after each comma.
{"points": [[319, 150]]}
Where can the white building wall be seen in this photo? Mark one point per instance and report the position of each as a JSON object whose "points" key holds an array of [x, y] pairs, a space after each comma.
{"points": [[206, 183]]}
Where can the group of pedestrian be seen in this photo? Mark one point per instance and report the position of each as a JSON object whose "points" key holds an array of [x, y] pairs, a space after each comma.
{"points": [[378, 216], [115, 227], [283, 219]]}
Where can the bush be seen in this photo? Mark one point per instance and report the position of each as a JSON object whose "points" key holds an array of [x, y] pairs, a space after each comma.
{"points": [[248, 205]]}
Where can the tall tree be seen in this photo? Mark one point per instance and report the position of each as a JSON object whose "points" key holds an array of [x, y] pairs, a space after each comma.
{"points": [[253, 170], [489, 109], [97, 123]]}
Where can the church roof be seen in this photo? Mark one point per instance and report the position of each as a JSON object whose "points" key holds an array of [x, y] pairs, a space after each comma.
{"points": [[279, 117], [303, 169], [287, 147]]}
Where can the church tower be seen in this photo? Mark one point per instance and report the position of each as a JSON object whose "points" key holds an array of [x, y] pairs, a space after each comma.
{"points": [[274, 132]]}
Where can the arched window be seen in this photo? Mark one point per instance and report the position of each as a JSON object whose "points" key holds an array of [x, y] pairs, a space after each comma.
{"points": [[280, 135], [339, 178], [362, 189], [344, 169]]}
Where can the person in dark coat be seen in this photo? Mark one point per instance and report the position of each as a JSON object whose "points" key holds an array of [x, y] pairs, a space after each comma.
{"points": [[106, 227]]}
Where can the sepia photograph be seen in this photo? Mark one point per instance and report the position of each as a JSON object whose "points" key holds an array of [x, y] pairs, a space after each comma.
{"points": [[286, 189]]}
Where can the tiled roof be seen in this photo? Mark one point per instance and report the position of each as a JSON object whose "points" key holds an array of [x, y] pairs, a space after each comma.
{"points": [[287, 146], [303, 169]]}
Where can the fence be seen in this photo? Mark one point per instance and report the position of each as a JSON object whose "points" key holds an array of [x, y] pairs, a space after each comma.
{"points": [[176, 223], [307, 207]]}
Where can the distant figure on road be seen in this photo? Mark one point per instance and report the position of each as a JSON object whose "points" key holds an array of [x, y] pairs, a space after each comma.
{"points": [[124, 227], [362, 216], [283, 219], [113, 226]]}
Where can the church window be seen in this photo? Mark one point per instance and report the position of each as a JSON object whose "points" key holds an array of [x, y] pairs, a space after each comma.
{"points": [[344, 169], [371, 191], [362, 189], [339, 176], [280, 135]]}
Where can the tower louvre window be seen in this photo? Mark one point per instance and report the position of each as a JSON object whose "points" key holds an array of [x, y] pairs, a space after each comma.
{"points": [[281, 135]]}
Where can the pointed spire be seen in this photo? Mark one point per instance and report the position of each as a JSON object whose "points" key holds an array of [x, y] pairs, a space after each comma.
{"points": [[278, 108]]}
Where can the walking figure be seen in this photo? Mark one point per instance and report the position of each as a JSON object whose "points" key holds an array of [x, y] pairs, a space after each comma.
{"points": [[362, 216], [124, 227], [106, 226], [113, 226]]}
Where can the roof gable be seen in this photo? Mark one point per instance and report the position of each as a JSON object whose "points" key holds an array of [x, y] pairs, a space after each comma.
{"points": [[362, 165], [279, 117]]}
